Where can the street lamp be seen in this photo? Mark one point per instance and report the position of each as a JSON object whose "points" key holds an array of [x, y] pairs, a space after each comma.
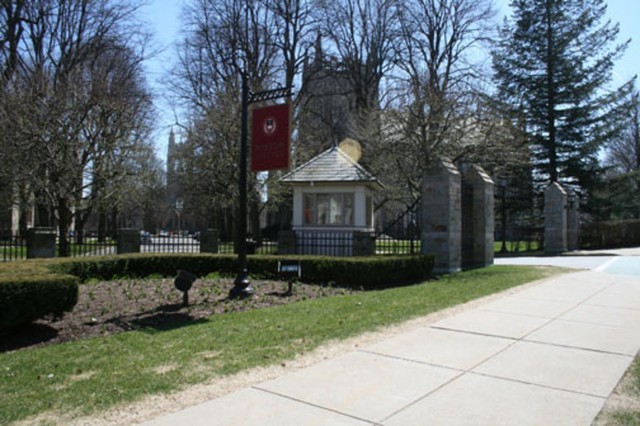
{"points": [[242, 285]]}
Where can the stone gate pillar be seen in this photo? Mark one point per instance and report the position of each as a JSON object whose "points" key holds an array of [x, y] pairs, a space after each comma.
{"points": [[477, 218], [41, 243], [555, 219], [128, 241], [441, 216], [209, 241]]}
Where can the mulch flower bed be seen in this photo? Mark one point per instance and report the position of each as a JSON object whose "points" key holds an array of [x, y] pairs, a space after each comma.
{"points": [[116, 306]]}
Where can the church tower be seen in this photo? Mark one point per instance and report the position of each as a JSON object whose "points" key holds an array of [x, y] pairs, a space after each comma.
{"points": [[327, 100]]}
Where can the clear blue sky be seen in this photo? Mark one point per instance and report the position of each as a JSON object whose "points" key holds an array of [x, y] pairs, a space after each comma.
{"points": [[164, 17]]}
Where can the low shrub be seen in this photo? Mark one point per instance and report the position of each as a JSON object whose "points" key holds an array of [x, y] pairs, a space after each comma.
{"points": [[613, 234], [24, 299], [143, 265]]}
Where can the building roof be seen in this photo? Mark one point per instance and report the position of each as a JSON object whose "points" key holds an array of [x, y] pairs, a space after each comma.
{"points": [[332, 166]]}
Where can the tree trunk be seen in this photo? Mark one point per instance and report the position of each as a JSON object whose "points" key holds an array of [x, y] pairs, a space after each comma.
{"points": [[113, 223], [80, 234], [64, 222], [102, 225]]}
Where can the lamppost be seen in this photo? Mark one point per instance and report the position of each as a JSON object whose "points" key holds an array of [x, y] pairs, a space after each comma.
{"points": [[242, 285], [502, 183]]}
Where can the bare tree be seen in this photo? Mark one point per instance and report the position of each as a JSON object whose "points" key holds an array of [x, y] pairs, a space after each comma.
{"points": [[623, 152], [115, 130], [77, 98], [438, 38], [12, 21]]}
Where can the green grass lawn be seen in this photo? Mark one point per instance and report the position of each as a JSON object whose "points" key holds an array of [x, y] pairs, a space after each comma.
{"points": [[629, 388], [82, 377], [390, 246], [13, 252], [516, 246]]}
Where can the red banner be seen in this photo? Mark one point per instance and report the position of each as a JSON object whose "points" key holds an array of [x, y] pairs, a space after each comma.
{"points": [[270, 138]]}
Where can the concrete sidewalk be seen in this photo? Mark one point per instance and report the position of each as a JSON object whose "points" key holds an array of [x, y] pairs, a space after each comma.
{"points": [[549, 354]]}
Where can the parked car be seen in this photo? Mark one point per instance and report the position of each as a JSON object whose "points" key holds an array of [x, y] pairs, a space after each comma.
{"points": [[145, 237]]}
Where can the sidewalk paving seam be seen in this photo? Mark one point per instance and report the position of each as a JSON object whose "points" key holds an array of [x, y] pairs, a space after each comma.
{"points": [[612, 307], [558, 345], [477, 333], [524, 382], [495, 311], [280, 395], [415, 361], [423, 397]]}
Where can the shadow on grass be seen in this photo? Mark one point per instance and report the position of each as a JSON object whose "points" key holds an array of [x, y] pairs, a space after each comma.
{"points": [[281, 294], [162, 318], [25, 336]]}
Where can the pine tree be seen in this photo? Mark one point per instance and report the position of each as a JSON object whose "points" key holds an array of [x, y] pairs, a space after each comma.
{"points": [[553, 63]]}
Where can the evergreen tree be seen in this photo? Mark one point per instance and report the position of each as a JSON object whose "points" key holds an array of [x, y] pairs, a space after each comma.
{"points": [[553, 63]]}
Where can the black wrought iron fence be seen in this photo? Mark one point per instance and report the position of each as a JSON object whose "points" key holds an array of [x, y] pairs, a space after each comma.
{"points": [[88, 246], [178, 242], [12, 246], [316, 242], [409, 244], [266, 247], [253, 247], [325, 243], [401, 235]]}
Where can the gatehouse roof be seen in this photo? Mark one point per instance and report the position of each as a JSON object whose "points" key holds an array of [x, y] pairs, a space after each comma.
{"points": [[332, 166]]}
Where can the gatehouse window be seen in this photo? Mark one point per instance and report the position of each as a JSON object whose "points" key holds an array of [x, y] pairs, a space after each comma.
{"points": [[328, 209]]}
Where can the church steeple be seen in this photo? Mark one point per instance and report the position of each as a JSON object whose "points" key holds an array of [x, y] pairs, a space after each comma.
{"points": [[172, 169], [171, 152], [319, 55], [172, 141]]}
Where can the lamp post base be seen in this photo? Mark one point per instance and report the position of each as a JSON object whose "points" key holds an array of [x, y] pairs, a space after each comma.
{"points": [[242, 286]]}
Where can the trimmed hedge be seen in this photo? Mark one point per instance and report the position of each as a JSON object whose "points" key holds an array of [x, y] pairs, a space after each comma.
{"points": [[355, 272], [142, 265], [24, 299], [613, 234], [33, 289]]}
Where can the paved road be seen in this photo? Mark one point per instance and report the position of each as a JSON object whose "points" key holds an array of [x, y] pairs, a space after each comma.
{"points": [[618, 261]]}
